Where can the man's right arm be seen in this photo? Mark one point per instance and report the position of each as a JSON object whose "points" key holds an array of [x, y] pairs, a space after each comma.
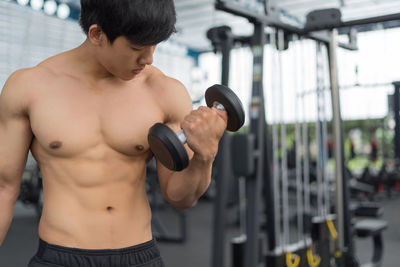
{"points": [[15, 140]]}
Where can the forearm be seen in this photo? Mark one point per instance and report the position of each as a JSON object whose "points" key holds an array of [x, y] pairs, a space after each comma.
{"points": [[186, 187], [8, 197]]}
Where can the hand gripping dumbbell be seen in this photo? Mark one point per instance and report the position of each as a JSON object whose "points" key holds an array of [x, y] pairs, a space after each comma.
{"points": [[168, 147]]}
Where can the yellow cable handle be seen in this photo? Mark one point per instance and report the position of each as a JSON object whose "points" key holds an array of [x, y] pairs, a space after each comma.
{"points": [[313, 260], [338, 254], [292, 260], [332, 229]]}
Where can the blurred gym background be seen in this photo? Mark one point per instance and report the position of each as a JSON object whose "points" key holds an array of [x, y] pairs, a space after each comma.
{"points": [[32, 30]]}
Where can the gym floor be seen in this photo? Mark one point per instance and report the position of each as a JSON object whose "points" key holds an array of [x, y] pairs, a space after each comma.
{"points": [[21, 241]]}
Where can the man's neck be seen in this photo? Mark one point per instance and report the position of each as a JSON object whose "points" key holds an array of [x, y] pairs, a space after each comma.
{"points": [[89, 64]]}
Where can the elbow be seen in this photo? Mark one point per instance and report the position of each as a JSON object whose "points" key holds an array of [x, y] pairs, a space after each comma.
{"points": [[9, 191], [183, 205], [181, 202]]}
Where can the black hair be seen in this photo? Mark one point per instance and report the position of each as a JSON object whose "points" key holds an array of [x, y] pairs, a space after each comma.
{"points": [[142, 22]]}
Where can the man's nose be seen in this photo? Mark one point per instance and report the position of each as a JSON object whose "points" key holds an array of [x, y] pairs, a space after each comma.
{"points": [[147, 57]]}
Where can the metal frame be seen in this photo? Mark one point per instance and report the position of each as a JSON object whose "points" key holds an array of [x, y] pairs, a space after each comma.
{"points": [[222, 40], [258, 121], [259, 130], [315, 33], [396, 114], [345, 235], [273, 20]]}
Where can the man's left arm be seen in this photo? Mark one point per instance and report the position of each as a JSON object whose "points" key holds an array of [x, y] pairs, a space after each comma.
{"points": [[203, 128]]}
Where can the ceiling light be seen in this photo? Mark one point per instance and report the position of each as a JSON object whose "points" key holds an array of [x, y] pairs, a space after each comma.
{"points": [[36, 4], [23, 2], [50, 7], [63, 11]]}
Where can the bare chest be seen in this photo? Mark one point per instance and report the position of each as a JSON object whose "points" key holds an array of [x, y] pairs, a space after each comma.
{"points": [[70, 121]]}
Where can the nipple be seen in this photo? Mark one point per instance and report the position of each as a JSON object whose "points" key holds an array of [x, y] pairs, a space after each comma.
{"points": [[139, 147], [55, 144]]}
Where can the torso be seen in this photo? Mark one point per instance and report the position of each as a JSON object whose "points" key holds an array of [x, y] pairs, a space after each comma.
{"points": [[90, 140]]}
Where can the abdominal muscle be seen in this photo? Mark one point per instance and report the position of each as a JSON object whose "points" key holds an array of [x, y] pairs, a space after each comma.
{"points": [[95, 204]]}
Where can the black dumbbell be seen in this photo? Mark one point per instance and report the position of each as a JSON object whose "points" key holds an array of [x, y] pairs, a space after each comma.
{"points": [[168, 147]]}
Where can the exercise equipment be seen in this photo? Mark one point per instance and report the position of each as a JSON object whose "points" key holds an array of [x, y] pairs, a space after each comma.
{"points": [[323, 230], [372, 228], [168, 147], [273, 176], [31, 189], [239, 241], [396, 114], [289, 249], [222, 40]]}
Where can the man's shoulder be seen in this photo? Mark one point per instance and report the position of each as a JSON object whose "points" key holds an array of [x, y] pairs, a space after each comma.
{"points": [[27, 78], [20, 80], [163, 83], [22, 85], [172, 95]]}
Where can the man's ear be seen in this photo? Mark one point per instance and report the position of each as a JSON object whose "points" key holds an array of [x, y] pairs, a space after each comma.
{"points": [[96, 35]]}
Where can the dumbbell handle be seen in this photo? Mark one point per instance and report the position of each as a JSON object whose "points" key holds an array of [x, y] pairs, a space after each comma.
{"points": [[181, 134]]}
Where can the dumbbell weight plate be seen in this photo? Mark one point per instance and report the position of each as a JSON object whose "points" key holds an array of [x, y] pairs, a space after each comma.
{"points": [[167, 147], [170, 150], [232, 104]]}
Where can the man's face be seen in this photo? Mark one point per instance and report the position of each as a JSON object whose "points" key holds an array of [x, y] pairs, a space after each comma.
{"points": [[124, 60]]}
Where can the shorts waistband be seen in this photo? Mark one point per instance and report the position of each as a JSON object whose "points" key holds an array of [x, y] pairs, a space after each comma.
{"points": [[43, 246], [137, 255]]}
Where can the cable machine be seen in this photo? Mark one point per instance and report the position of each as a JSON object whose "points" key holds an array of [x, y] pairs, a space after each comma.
{"points": [[256, 167]]}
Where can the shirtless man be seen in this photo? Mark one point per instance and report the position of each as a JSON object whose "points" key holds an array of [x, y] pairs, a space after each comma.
{"points": [[85, 115]]}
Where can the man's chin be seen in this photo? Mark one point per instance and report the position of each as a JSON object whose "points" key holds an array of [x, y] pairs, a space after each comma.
{"points": [[128, 77]]}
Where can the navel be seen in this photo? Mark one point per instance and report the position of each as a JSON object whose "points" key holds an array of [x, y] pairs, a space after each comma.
{"points": [[110, 209], [139, 147], [55, 145]]}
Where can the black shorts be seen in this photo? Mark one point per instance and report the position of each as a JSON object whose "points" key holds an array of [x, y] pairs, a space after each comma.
{"points": [[142, 255]]}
